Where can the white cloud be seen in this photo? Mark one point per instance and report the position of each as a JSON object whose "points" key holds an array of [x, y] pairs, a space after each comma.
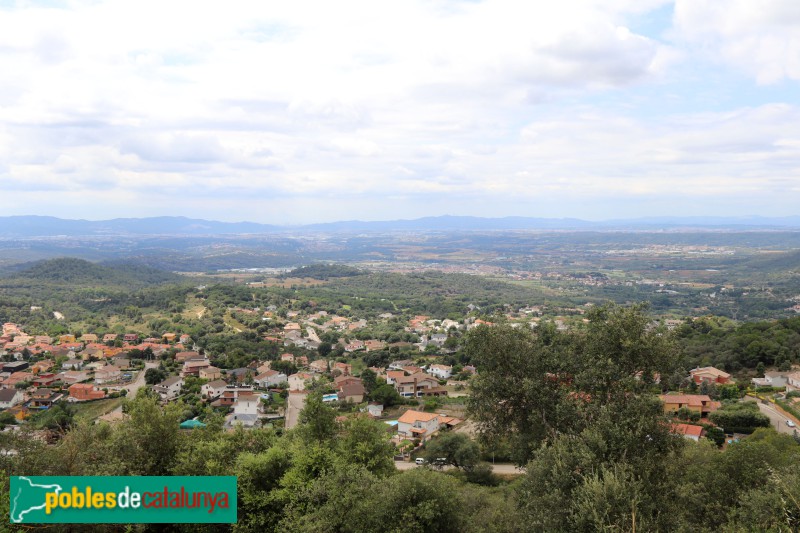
{"points": [[760, 37], [333, 106]]}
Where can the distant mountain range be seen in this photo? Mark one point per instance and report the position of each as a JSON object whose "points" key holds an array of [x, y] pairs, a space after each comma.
{"points": [[43, 226]]}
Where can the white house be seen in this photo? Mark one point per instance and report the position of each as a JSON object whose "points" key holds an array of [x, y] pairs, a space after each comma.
{"points": [[10, 397], [440, 371], [212, 389], [107, 374], [416, 424], [298, 381], [270, 378], [169, 388]]}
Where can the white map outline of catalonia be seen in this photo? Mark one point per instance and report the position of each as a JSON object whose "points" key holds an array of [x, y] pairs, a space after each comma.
{"points": [[20, 514]]}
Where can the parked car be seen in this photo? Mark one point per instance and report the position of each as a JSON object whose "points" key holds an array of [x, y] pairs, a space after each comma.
{"points": [[420, 461], [790, 423]]}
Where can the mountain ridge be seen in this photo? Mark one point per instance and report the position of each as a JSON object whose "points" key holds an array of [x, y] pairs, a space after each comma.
{"points": [[30, 226]]}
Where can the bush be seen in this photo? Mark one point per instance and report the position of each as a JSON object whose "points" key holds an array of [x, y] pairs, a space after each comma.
{"points": [[481, 474]]}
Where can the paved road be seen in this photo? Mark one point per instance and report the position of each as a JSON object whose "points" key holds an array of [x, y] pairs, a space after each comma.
{"points": [[294, 404], [138, 383], [498, 468], [778, 419]]}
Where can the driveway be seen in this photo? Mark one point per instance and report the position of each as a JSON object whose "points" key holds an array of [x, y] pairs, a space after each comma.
{"points": [[498, 468], [294, 404]]}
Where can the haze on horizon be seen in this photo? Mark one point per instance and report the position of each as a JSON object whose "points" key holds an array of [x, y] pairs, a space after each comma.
{"points": [[311, 111]]}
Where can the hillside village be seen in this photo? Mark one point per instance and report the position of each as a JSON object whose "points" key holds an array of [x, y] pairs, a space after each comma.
{"points": [[329, 356]]}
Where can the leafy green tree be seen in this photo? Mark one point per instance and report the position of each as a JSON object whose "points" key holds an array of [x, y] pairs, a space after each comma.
{"points": [[365, 442], [324, 349], [149, 438], [317, 420], [154, 375], [369, 379], [455, 449], [387, 395]]}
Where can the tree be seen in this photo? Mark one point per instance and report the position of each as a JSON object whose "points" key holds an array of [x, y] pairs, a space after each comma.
{"points": [[387, 395], [284, 367], [365, 442], [533, 386], [154, 375], [317, 420], [369, 379], [455, 449], [324, 349]]}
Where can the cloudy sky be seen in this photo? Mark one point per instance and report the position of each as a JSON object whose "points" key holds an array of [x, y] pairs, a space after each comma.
{"points": [[312, 111]]}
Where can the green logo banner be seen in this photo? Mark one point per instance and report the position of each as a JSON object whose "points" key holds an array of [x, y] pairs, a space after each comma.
{"points": [[122, 499]]}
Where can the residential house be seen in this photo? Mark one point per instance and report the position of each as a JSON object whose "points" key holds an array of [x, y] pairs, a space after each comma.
{"points": [[168, 337], [72, 346], [301, 361], [123, 363], [44, 398], [287, 357], [438, 339], [298, 381], [352, 392], [793, 380], [399, 365], [231, 394], [213, 389], [210, 373], [270, 378], [415, 385], [263, 367], [372, 345], [185, 340], [771, 379], [88, 337], [193, 367], [393, 375], [72, 364], [416, 424], [698, 403], [130, 337], [169, 388], [10, 397], [42, 366], [182, 357], [44, 379], [107, 374], [340, 381], [709, 374], [74, 376], [688, 431], [15, 366], [110, 337], [320, 366], [375, 409], [354, 346], [440, 371], [63, 339], [344, 368], [18, 377], [82, 392]]}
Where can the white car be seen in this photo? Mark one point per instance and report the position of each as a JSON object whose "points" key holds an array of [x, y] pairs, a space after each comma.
{"points": [[790, 423]]}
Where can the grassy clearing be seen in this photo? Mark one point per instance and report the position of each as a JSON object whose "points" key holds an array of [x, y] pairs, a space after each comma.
{"points": [[94, 410]]}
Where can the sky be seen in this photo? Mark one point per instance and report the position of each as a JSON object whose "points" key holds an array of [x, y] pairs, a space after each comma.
{"points": [[315, 111]]}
